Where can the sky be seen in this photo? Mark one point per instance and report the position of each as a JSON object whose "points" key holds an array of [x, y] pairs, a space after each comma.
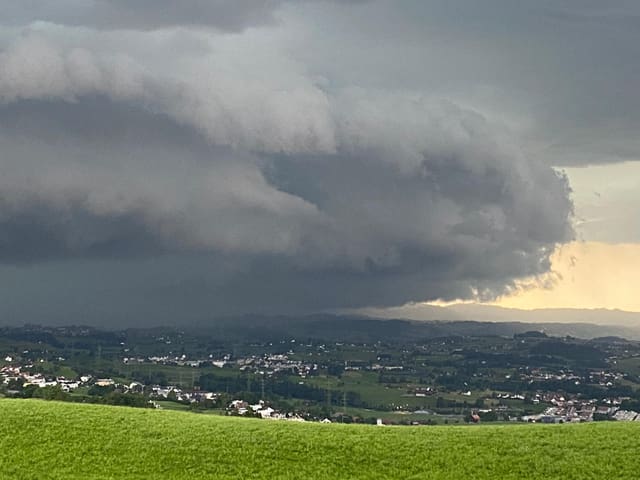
{"points": [[162, 163], [601, 269]]}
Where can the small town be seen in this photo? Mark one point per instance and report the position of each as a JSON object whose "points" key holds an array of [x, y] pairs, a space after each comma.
{"points": [[328, 381]]}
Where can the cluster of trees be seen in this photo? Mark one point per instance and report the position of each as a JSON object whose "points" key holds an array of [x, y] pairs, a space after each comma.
{"points": [[100, 395], [276, 388]]}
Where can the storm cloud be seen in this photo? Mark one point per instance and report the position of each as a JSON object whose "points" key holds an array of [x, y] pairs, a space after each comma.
{"points": [[167, 172]]}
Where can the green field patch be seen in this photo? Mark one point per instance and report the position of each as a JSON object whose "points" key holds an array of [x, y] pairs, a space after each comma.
{"points": [[48, 440], [630, 365]]}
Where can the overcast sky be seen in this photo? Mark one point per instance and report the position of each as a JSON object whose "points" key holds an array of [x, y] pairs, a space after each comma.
{"points": [[163, 162]]}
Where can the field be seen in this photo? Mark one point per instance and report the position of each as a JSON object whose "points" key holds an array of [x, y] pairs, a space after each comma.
{"points": [[48, 440]]}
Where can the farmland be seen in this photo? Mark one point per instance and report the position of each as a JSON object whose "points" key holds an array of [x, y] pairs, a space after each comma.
{"points": [[51, 440], [423, 373]]}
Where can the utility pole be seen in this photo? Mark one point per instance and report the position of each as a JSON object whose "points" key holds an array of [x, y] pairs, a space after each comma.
{"points": [[328, 395]]}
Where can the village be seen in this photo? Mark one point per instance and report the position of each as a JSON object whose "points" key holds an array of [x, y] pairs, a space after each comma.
{"points": [[556, 407]]}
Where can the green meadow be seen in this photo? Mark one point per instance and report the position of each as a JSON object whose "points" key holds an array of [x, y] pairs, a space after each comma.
{"points": [[49, 440]]}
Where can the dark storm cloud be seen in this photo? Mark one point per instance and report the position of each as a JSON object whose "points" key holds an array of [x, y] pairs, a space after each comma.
{"points": [[189, 173], [562, 74], [35, 231], [455, 215]]}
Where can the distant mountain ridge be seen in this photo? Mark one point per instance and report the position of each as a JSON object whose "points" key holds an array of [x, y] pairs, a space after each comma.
{"points": [[409, 323], [492, 313], [354, 328]]}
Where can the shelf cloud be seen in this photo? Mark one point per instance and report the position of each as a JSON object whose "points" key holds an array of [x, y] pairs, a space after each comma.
{"points": [[228, 148]]}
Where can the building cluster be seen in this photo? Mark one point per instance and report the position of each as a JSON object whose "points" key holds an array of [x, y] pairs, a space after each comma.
{"points": [[423, 391], [261, 410], [23, 375], [270, 364], [173, 392], [178, 361], [514, 396], [626, 416], [563, 409], [542, 375], [603, 378]]}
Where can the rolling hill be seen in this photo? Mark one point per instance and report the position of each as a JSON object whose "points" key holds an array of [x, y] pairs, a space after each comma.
{"points": [[48, 440]]}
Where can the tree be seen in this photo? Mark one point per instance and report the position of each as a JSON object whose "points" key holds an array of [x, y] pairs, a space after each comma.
{"points": [[15, 384], [50, 393]]}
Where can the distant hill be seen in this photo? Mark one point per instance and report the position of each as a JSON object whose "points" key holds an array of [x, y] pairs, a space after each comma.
{"points": [[49, 440], [616, 322], [338, 328], [352, 328]]}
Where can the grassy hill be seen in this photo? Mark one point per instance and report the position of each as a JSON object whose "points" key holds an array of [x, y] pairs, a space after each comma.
{"points": [[47, 440]]}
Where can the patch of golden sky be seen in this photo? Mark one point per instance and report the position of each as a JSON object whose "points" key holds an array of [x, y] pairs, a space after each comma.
{"points": [[602, 270], [585, 275]]}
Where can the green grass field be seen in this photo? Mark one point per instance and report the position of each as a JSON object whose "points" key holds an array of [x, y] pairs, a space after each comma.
{"points": [[48, 440]]}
